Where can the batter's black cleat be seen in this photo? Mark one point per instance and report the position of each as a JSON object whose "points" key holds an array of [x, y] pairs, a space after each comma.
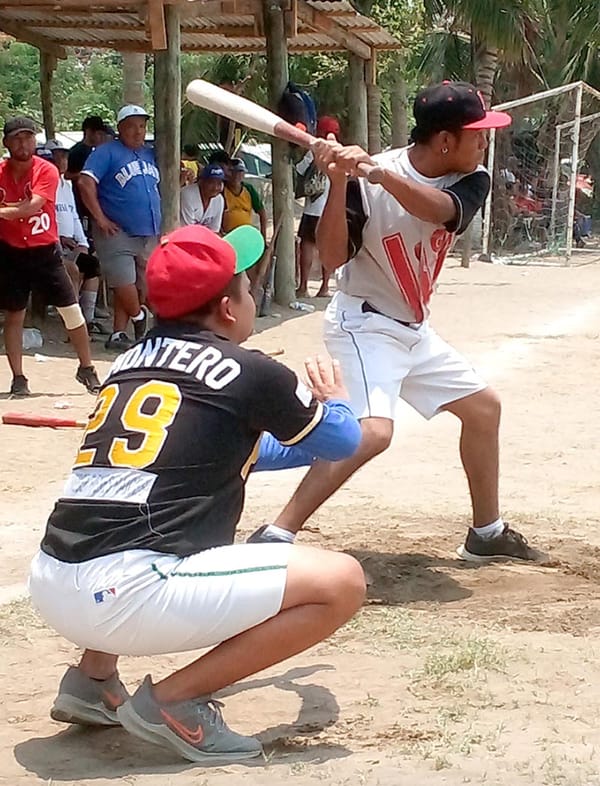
{"points": [[261, 536], [510, 545], [19, 387], [89, 379]]}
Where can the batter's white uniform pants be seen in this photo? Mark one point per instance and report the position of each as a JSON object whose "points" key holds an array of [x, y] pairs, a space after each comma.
{"points": [[383, 360]]}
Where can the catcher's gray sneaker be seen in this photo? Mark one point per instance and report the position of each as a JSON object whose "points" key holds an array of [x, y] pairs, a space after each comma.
{"points": [[194, 728], [86, 701]]}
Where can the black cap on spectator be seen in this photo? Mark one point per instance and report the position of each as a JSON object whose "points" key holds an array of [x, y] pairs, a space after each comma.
{"points": [[17, 124]]}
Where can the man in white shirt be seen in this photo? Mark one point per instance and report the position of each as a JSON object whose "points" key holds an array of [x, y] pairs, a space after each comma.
{"points": [[202, 202], [82, 268]]}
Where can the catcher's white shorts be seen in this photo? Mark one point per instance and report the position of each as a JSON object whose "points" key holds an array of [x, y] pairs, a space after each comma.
{"points": [[383, 360], [145, 603]]}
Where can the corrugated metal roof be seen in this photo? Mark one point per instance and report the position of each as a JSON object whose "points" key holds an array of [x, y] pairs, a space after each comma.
{"points": [[211, 26]]}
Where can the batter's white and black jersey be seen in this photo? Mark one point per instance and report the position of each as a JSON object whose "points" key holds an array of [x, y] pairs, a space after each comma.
{"points": [[175, 432], [396, 258]]}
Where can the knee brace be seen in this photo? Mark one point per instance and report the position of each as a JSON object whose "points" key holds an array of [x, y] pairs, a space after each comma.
{"points": [[72, 316]]}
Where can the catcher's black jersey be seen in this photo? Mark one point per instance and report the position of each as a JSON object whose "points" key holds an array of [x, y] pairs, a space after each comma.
{"points": [[166, 453]]}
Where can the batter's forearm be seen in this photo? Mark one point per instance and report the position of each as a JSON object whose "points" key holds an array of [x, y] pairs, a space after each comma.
{"points": [[332, 229], [421, 201]]}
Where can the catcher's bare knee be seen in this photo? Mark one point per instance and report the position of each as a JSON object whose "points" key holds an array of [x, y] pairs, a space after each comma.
{"points": [[330, 578], [376, 435], [346, 589]]}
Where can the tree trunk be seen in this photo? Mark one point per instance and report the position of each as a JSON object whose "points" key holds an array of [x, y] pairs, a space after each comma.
{"points": [[398, 102], [134, 70], [283, 192], [485, 65], [47, 66], [374, 118], [358, 133]]}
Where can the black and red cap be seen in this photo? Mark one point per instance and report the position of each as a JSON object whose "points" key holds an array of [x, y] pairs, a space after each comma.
{"points": [[451, 106]]}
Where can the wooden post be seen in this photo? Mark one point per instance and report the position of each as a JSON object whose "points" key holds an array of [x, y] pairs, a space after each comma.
{"points": [[47, 67], [373, 105], [167, 118], [358, 133], [283, 196]]}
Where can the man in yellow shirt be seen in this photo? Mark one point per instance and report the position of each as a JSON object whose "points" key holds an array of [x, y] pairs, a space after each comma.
{"points": [[189, 160], [241, 199]]}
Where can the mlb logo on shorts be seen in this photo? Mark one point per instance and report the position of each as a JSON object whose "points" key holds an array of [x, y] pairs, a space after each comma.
{"points": [[105, 594]]}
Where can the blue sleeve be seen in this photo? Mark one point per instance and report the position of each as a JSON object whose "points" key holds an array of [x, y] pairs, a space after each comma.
{"points": [[98, 162], [336, 437]]}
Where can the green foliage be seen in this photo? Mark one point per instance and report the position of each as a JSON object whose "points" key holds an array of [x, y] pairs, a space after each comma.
{"points": [[539, 43], [87, 82], [19, 87]]}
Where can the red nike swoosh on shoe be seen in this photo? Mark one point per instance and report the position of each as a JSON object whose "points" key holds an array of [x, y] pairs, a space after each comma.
{"points": [[194, 737], [112, 700]]}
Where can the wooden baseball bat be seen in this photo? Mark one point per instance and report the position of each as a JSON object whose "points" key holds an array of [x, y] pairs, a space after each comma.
{"points": [[247, 113], [23, 419]]}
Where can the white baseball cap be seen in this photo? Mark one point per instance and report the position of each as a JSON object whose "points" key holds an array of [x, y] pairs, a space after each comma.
{"points": [[131, 110]]}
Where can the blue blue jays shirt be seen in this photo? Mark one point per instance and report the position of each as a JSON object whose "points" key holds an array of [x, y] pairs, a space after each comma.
{"points": [[127, 183]]}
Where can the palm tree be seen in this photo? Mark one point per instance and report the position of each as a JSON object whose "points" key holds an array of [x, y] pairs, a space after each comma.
{"points": [[494, 32], [483, 33]]}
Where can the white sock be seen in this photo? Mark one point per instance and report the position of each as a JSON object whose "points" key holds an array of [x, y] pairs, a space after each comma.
{"points": [[87, 301], [283, 534], [491, 530], [140, 316]]}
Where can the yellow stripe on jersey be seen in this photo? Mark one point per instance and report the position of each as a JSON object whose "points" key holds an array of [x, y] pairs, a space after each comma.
{"points": [[252, 459], [307, 429]]}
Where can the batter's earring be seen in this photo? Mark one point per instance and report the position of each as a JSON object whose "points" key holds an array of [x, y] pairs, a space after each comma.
{"points": [[444, 150]]}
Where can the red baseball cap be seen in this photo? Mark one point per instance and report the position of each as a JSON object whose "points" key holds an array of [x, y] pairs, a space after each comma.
{"points": [[192, 264], [328, 125], [450, 106]]}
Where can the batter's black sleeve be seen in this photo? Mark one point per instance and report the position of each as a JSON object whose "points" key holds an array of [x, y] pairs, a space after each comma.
{"points": [[280, 403], [468, 194], [355, 217]]}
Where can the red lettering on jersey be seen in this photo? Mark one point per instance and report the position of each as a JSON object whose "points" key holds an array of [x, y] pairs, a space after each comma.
{"points": [[441, 240], [404, 273]]}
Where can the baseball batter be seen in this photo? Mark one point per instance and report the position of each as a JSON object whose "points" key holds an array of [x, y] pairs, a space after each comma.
{"points": [[388, 243], [137, 557]]}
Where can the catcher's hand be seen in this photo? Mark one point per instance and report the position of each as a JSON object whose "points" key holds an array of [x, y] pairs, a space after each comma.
{"points": [[324, 378]]}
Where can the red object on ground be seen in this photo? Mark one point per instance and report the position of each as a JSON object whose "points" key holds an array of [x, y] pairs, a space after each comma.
{"points": [[24, 419]]}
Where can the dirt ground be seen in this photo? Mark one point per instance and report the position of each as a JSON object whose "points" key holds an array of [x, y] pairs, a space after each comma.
{"points": [[450, 674]]}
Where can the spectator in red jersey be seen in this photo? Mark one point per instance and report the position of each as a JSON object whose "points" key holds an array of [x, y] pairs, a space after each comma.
{"points": [[29, 255]]}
